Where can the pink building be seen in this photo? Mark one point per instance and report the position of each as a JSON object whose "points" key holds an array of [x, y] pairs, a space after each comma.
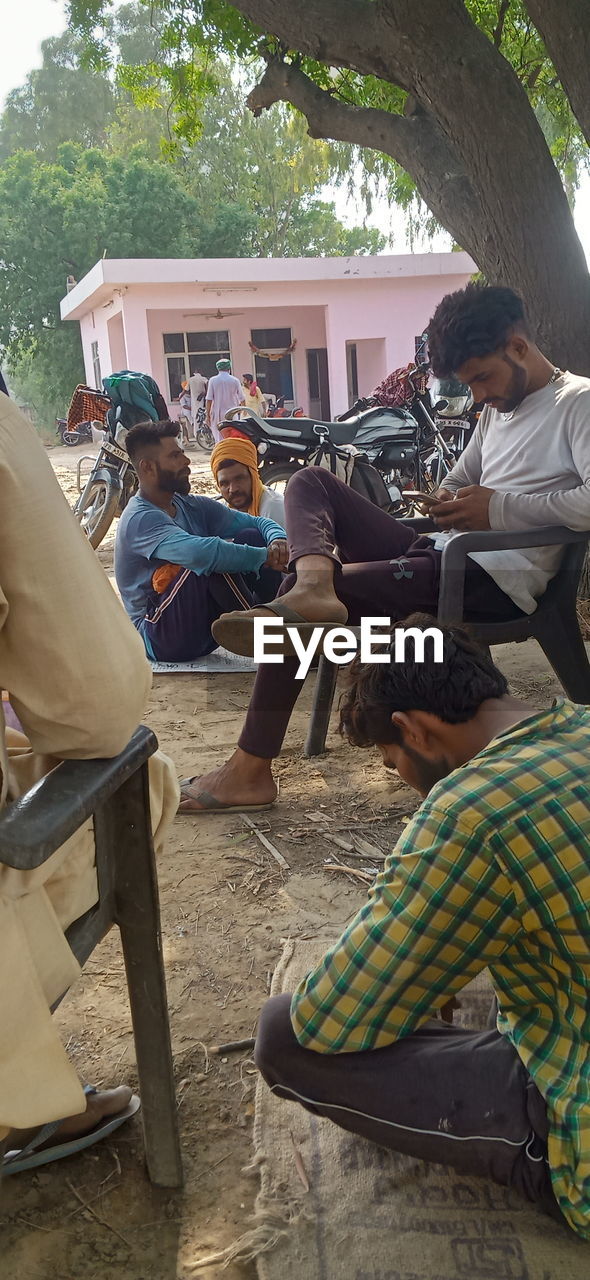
{"points": [[319, 331]]}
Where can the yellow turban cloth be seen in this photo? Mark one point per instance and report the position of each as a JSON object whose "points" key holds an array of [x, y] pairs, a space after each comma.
{"points": [[243, 451]]}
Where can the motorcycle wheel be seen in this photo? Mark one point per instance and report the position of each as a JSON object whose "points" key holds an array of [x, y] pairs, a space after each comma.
{"points": [[205, 439], [277, 477], [71, 437], [97, 513]]}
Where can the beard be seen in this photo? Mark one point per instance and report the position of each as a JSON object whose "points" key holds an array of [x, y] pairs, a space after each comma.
{"points": [[428, 772], [171, 482], [516, 390]]}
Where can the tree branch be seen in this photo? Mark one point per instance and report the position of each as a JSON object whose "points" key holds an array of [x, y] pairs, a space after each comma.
{"points": [[414, 140], [499, 28], [471, 141], [564, 25], [339, 33]]}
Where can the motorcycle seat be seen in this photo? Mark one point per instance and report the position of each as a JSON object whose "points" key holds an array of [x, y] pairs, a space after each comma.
{"points": [[303, 429], [310, 430], [338, 432]]}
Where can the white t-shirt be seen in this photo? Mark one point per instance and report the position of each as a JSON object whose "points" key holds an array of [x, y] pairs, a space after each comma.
{"points": [[537, 459], [272, 506], [225, 392], [198, 387]]}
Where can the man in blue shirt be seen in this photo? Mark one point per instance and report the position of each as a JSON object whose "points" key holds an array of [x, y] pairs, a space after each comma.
{"points": [[175, 567]]}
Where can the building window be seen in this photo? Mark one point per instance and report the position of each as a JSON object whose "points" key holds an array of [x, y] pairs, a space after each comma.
{"points": [[272, 339], [187, 353], [96, 366], [274, 376]]}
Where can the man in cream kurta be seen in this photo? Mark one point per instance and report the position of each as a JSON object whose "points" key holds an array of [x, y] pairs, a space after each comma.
{"points": [[78, 680]]}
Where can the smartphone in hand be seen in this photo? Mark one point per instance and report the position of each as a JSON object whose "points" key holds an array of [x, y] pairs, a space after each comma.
{"points": [[426, 499]]}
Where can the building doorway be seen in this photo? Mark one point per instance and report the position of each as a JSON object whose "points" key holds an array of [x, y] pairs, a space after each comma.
{"points": [[318, 383], [274, 370], [352, 373]]}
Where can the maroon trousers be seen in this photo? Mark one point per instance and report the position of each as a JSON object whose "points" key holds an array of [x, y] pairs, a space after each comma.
{"points": [[382, 569]]}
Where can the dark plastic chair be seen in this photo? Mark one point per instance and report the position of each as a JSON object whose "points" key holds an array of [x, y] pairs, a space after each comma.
{"points": [[554, 624], [116, 793]]}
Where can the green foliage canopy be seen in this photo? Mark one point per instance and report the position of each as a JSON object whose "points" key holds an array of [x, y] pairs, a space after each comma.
{"points": [[56, 220], [82, 174], [196, 34]]}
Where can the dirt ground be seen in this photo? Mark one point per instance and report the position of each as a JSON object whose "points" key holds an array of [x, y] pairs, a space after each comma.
{"points": [[226, 906]]}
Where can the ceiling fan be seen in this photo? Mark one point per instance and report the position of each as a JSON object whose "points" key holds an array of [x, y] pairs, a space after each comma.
{"points": [[213, 315]]}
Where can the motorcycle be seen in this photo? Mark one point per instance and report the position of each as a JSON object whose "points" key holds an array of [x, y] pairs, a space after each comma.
{"points": [[77, 435], [448, 417], [277, 410], [128, 398], [412, 447], [287, 444], [444, 425], [110, 485]]}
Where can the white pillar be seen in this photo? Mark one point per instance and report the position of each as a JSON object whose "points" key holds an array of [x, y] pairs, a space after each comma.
{"points": [[137, 340], [336, 336]]}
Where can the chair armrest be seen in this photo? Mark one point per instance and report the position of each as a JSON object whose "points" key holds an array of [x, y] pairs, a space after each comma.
{"points": [[455, 552], [35, 825]]}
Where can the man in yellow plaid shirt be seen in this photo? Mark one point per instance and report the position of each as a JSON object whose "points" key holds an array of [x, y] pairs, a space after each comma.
{"points": [[493, 871]]}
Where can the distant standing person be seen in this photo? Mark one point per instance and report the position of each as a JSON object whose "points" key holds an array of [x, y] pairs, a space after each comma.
{"points": [[253, 397], [198, 390], [184, 417], [223, 393]]}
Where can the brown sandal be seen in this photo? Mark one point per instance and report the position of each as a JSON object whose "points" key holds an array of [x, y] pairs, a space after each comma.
{"points": [[207, 803], [235, 631]]}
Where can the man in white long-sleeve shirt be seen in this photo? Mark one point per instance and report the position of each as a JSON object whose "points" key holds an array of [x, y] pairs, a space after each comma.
{"points": [[528, 462], [527, 465]]}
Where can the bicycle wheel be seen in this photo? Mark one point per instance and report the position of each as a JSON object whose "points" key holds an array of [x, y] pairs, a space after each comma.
{"points": [[205, 439]]}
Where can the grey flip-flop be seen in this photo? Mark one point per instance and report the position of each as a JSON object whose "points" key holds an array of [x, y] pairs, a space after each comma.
{"points": [[30, 1157], [210, 804], [235, 631]]}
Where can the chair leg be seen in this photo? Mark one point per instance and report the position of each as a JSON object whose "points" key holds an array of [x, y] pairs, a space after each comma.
{"points": [[138, 916], [562, 644], [323, 697]]}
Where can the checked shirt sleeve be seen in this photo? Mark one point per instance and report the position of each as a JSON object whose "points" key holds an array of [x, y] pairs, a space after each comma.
{"points": [[439, 913]]}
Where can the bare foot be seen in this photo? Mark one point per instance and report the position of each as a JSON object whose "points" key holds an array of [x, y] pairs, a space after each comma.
{"points": [[314, 605], [312, 595], [242, 780], [106, 1102], [315, 601]]}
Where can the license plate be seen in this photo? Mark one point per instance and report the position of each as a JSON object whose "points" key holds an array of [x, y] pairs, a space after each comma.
{"points": [[116, 452]]}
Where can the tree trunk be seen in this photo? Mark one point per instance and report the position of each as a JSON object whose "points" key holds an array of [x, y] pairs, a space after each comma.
{"points": [[564, 25], [470, 141]]}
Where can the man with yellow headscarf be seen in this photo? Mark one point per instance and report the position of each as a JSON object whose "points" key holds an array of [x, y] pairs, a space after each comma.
{"points": [[234, 463]]}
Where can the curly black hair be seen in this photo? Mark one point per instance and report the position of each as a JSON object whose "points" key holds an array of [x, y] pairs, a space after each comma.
{"points": [[474, 321], [453, 689]]}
